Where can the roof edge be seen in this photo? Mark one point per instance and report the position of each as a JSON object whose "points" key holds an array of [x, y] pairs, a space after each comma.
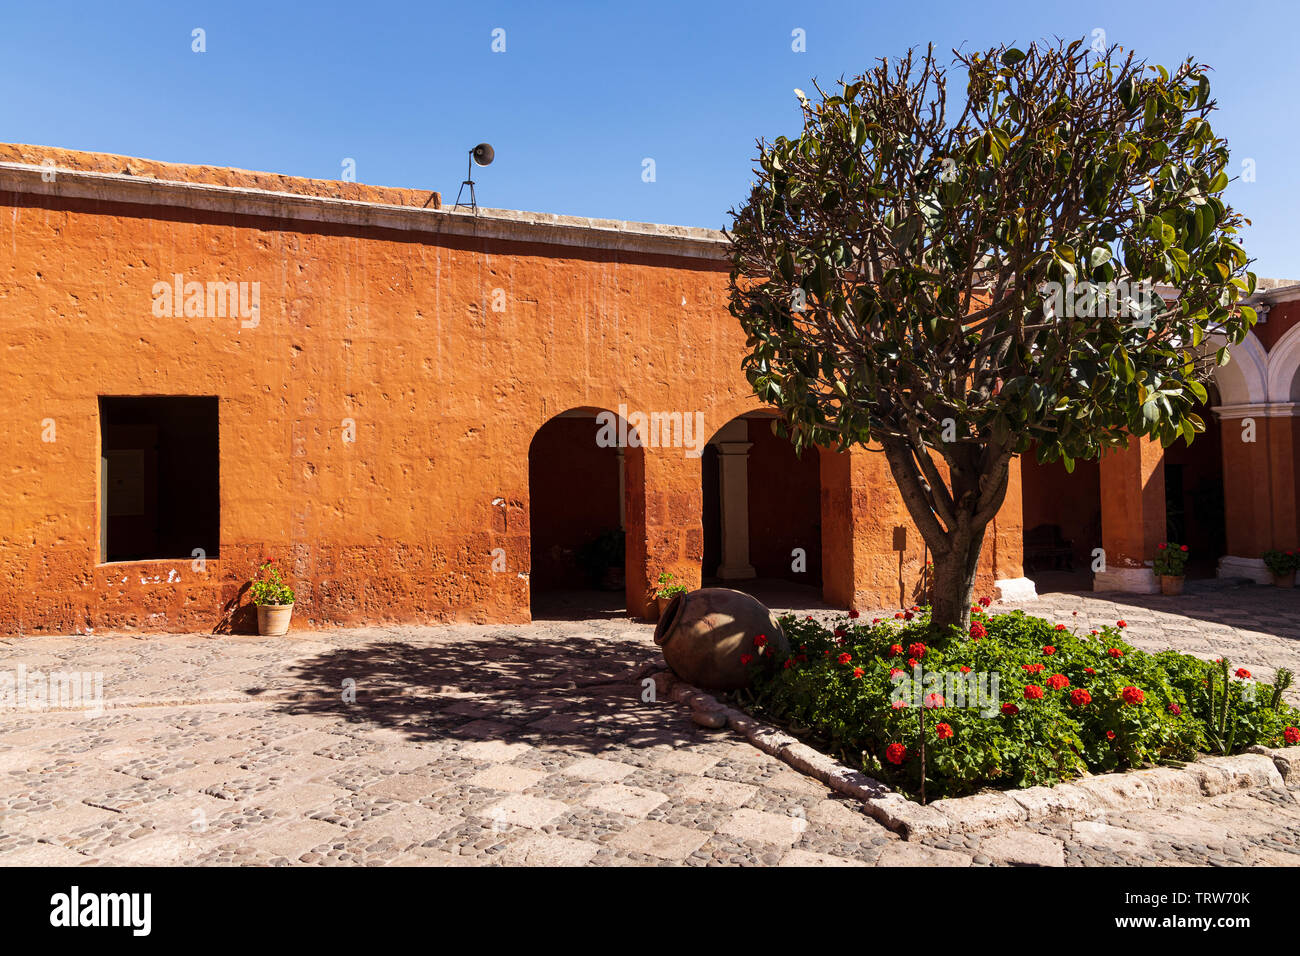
{"points": [[501, 224]]}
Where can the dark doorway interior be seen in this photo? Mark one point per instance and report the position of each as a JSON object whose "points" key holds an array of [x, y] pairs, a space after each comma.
{"points": [[1194, 508], [578, 547], [159, 478]]}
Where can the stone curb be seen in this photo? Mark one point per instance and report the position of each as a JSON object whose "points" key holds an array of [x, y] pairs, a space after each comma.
{"points": [[1066, 802]]}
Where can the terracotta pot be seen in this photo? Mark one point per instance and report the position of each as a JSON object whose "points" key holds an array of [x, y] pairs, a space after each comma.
{"points": [[1284, 580], [273, 619], [662, 605], [1171, 584], [704, 633]]}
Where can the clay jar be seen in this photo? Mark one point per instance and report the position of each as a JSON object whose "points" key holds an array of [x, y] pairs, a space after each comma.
{"points": [[704, 633]]}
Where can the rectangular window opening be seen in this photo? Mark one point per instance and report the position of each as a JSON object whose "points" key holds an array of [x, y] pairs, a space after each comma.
{"points": [[159, 478]]}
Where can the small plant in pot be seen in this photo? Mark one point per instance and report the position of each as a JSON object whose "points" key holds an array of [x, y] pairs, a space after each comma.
{"points": [[666, 591], [274, 599], [1170, 563], [1282, 565]]}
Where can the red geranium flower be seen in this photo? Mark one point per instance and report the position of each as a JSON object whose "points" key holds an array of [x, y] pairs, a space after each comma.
{"points": [[898, 704], [1058, 682], [942, 731], [1115, 652], [789, 663], [895, 753], [1132, 695], [1049, 650], [1183, 548], [977, 630], [898, 616], [912, 662], [746, 658], [908, 615], [895, 650], [1080, 697], [1121, 623], [916, 650], [933, 700], [1110, 735], [986, 601], [760, 641], [1032, 668], [1291, 735], [854, 614], [1010, 709], [845, 657], [858, 672], [1089, 670], [1060, 627], [1033, 692], [1175, 710], [965, 669], [1243, 673], [1162, 546], [875, 620], [893, 671]]}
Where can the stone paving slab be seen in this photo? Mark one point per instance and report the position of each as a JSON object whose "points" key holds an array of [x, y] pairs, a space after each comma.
{"points": [[472, 745]]}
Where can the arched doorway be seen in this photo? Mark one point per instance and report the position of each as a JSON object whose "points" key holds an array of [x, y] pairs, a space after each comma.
{"points": [[1062, 522], [761, 512], [583, 473], [1194, 499]]}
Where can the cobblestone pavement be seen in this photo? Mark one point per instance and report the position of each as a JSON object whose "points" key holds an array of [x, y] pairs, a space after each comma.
{"points": [[473, 745]]}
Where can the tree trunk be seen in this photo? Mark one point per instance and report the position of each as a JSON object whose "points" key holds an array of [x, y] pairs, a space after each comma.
{"points": [[954, 582], [951, 517]]}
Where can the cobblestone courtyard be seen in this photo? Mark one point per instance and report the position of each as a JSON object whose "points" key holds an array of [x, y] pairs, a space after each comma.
{"points": [[472, 745]]}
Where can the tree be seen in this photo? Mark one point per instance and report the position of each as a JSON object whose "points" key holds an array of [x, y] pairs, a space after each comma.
{"points": [[958, 290]]}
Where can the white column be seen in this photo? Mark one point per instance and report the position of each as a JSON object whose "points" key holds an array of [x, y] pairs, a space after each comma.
{"points": [[733, 496]]}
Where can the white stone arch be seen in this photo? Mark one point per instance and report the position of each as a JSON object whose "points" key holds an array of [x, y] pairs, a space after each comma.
{"points": [[1244, 380], [1283, 364]]}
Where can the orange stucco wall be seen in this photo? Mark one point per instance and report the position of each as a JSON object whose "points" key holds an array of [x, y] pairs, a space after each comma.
{"points": [[396, 332]]}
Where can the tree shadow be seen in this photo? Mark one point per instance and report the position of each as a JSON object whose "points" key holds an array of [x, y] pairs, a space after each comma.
{"points": [[236, 616], [581, 693]]}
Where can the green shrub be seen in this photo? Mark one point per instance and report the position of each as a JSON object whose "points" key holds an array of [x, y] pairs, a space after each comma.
{"points": [[1170, 559], [1023, 701], [1281, 563]]}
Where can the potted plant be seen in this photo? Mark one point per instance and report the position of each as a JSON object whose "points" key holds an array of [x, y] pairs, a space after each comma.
{"points": [[1170, 562], [666, 591], [1282, 565], [274, 599]]}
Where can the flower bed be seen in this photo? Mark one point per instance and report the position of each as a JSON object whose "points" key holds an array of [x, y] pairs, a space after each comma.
{"points": [[1018, 702]]}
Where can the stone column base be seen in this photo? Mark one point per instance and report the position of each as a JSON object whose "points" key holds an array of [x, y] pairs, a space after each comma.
{"points": [[1016, 589], [1129, 580], [737, 574], [1231, 566]]}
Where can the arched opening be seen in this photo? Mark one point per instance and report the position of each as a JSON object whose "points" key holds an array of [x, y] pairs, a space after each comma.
{"points": [[761, 513], [1194, 497], [1062, 522], [582, 472]]}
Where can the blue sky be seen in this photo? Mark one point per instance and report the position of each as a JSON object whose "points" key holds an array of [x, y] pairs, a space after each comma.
{"points": [[583, 93]]}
